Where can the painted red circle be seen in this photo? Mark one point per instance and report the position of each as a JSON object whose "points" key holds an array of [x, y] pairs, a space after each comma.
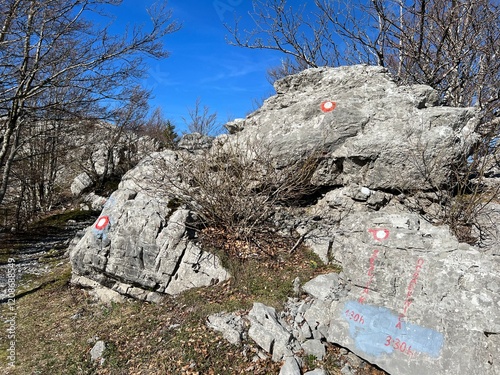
{"points": [[382, 234], [379, 234], [102, 222], [328, 106]]}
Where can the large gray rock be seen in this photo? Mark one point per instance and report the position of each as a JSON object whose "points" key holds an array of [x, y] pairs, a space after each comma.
{"points": [[81, 183], [420, 301], [379, 135], [410, 299], [142, 242], [323, 287]]}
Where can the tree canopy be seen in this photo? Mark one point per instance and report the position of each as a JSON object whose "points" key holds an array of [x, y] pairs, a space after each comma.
{"points": [[57, 63], [452, 45]]}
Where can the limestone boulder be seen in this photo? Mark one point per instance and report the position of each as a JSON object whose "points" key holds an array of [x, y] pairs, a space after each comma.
{"points": [[419, 301], [410, 299], [368, 130], [81, 183], [142, 244]]}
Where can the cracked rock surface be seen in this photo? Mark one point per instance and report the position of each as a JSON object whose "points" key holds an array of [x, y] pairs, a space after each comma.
{"points": [[142, 248], [411, 298]]}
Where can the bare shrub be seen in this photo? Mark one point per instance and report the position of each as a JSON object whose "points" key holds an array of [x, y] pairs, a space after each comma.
{"points": [[234, 189], [460, 198], [469, 197], [202, 121]]}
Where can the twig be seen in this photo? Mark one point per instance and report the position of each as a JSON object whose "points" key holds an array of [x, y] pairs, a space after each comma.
{"points": [[299, 241]]}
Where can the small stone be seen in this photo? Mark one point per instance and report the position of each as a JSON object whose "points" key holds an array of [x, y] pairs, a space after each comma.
{"points": [[267, 331], [322, 287], [305, 332], [92, 340], [347, 370], [296, 287], [76, 316], [97, 350], [299, 318], [315, 348], [230, 325], [354, 360], [290, 367]]}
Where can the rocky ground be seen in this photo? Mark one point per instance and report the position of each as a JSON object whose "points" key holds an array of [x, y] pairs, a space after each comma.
{"points": [[63, 329]]}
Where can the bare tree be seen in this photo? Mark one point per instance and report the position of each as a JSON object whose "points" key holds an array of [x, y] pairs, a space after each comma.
{"points": [[126, 119], [160, 129], [282, 28], [453, 46], [55, 64], [201, 120]]}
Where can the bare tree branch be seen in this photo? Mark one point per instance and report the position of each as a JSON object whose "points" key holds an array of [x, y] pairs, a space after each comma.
{"points": [[201, 120], [56, 64], [453, 46]]}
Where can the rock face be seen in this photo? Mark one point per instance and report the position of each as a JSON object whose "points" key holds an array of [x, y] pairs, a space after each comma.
{"points": [[411, 298], [418, 301], [141, 245], [371, 132]]}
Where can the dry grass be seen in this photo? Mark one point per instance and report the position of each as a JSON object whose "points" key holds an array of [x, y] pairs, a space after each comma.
{"points": [[58, 325]]}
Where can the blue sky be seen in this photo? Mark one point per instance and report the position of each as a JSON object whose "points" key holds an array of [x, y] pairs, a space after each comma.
{"points": [[202, 64]]}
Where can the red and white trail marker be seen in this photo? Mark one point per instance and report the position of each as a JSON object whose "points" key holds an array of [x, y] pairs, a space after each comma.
{"points": [[328, 106], [379, 234], [102, 223]]}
